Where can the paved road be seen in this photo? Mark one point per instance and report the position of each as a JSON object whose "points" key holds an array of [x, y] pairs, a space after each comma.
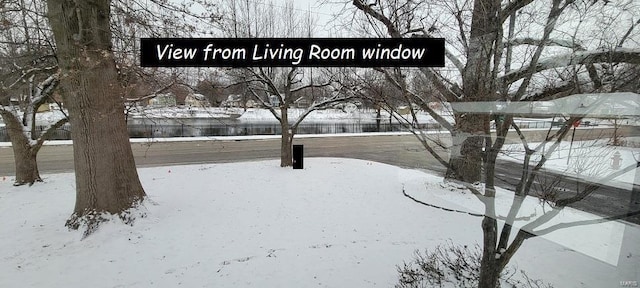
{"points": [[396, 150], [404, 151]]}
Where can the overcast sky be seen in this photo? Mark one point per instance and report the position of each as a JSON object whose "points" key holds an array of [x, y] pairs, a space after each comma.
{"points": [[322, 13]]}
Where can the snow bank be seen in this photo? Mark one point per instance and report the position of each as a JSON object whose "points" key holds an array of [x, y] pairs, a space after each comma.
{"points": [[181, 112], [253, 114]]}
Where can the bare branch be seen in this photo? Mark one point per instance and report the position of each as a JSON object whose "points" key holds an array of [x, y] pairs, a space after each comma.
{"points": [[454, 59], [432, 113], [552, 19], [318, 106], [511, 8], [154, 93], [28, 73], [391, 28], [265, 104], [631, 56], [593, 186], [48, 131], [549, 42], [294, 90], [626, 35], [463, 35], [269, 82], [447, 93], [585, 222]]}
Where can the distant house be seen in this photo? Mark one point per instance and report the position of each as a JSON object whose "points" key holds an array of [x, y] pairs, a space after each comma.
{"points": [[14, 101], [233, 101], [302, 102], [436, 106], [403, 110], [44, 108], [253, 104], [196, 100], [57, 98], [274, 100], [163, 100]]}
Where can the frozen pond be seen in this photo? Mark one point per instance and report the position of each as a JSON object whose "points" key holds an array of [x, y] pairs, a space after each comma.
{"points": [[162, 127]]}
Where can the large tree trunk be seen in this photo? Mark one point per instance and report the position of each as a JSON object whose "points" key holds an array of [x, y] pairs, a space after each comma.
{"points": [[378, 120], [24, 154], [286, 145], [478, 85], [489, 263], [465, 161], [489, 268], [106, 176], [26, 166]]}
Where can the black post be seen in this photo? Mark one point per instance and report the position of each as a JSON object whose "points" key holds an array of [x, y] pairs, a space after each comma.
{"points": [[298, 162]]}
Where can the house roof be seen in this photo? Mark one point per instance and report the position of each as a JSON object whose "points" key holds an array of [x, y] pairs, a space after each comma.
{"points": [[166, 95], [197, 96]]}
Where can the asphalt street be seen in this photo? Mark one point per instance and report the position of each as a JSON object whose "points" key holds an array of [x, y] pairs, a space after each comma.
{"points": [[404, 151]]}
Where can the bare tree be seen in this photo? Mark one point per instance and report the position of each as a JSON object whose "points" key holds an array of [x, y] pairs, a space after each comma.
{"points": [[490, 64], [211, 89], [381, 96], [28, 80], [481, 58], [134, 19], [29, 65], [287, 95], [106, 176], [279, 88], [507, 239]]}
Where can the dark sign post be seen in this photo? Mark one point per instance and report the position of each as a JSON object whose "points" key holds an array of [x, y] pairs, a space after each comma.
{"points": [[298, 161]]}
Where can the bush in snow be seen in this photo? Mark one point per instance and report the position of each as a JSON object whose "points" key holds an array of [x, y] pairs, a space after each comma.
{"points": [[454, 266]]}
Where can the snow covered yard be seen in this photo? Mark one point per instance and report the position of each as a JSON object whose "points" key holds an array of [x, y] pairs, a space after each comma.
{"points": [[337, 223]]}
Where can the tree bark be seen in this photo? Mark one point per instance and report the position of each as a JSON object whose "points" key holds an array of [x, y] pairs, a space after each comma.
{"points": [[465, 160], [489, 270], [106, 176], [26, 166], [378, 119], [479, 85], [286, 145], [24, 154]]}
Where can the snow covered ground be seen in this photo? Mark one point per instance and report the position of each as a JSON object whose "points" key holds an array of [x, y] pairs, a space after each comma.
{"points": [[336, 223], [179, 112]]}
